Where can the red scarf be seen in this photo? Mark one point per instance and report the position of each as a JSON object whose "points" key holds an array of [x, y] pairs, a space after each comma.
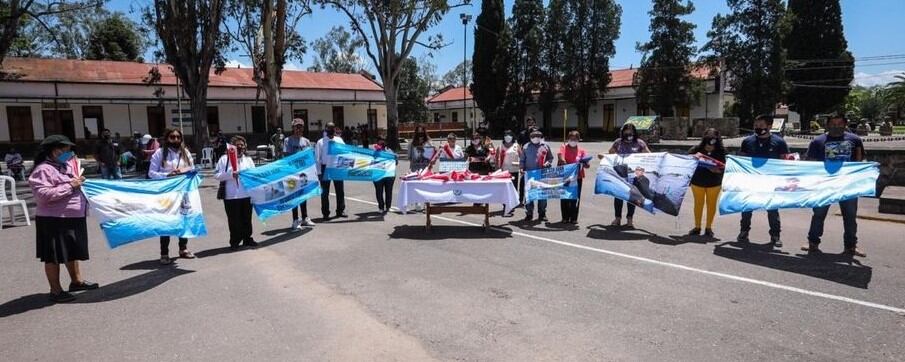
{"points": [[448, 151], [542, 157]]}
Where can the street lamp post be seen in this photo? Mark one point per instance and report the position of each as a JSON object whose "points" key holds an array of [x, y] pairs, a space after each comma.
{"points": [[465, 19]]}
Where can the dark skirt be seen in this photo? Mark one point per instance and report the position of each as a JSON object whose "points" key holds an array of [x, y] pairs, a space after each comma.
{"points": [[61, 239]]}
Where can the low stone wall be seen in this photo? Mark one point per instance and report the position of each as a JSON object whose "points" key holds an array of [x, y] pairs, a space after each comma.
{"points": [[728, 127], [674, 128]]}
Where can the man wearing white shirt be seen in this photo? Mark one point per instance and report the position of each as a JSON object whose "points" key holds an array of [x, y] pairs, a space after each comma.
{"points": [[321, 150]]}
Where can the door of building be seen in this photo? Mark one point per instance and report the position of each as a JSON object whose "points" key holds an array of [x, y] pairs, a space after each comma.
{"points": [[20, 127], [609, 118], [213, 119], [157, 121], [58, 122], [258, 119], [339, 119]]}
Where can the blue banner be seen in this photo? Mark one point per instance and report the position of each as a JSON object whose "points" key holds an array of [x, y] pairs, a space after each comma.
{"points": [[751, 184], [282, 185], [353, 163], [648, 180], [132, 210], [552, 183]]}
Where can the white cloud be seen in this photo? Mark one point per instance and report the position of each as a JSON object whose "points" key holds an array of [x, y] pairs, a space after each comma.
{"points": [[292, 66], [235, 63], [870, 80]]}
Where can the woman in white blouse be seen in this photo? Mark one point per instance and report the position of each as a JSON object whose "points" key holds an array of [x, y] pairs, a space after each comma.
{"points": [[172, 159], [236, 200]]}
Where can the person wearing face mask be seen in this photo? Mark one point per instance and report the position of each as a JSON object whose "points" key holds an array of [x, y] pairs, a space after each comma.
{"points": [[451, 150], [524, 137], [383, 188], [570, 153], [420, 150], [292, 144], [763, 144], [535, 155], [706, 181], [172, 159], [107, 156], [480, 153], [236, 201], [507, 157], [60, 221], [321, 149], [836, 145], [628, 143]]}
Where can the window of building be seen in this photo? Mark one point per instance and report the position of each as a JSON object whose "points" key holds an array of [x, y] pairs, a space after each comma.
{"points": [[455, 116], [372, 118], [258, 119], [93, 120], [213, 119], [20, 126], [436, 117]]}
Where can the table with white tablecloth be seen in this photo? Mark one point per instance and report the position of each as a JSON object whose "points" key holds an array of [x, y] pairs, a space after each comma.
{"points": [[485, 192]]}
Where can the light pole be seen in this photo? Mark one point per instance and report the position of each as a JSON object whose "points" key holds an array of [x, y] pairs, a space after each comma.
{"points": [[465, 19]]}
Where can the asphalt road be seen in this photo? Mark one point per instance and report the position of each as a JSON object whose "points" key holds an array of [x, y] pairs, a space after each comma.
{"points": [[381, 288]]}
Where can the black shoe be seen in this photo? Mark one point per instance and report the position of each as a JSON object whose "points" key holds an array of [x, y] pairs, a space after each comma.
{"points": [[694, 232], [233, 246], [542, 218], [250, 243], [528, 218], [84, 285], [743, 237], [775, 241], [708, 233], [61, 297], [326, 217], [341, 214]]}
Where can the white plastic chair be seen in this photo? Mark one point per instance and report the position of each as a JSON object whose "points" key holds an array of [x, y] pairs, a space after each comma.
{"points": [[207, 156], [10, 202]]}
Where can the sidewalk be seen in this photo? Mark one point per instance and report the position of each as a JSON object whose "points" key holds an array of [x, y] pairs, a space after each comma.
{"points": [[868, 209]]}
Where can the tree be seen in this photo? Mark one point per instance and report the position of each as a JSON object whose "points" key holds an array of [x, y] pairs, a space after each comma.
{"points": [[427, 70], [552, 57], [525, 47], [894, 94], [191, 37], [337, 52], [45, 22], [820, 67], [489, 60], [115, 38], [265, 32], [454, 76], [413, 89], [593, 27], [391, 29], [663, 80], [748, 43], [867, 103]]}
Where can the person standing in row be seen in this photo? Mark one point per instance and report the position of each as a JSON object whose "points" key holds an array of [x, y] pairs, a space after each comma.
{"points": [[479, 153], [60, 222], [536, 155], [507, 157], [707, 179], [107, 156], [420, 150], [322, 150], [276, 140], [628, 143], [172, 159], [836, 145], [236, 201], [524, 137], [149, 145], [570, 153], [763, 144], [383, 188], [451, 149], [291, 145]]}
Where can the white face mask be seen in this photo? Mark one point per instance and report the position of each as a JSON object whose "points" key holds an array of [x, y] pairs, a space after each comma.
{"points": [[508, 139], [535, 140], [573, 143], [476, 142]]}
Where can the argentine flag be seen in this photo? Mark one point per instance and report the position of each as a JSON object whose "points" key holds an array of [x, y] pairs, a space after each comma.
{"points": [[132, 210], [281, 185], [353, 163]]}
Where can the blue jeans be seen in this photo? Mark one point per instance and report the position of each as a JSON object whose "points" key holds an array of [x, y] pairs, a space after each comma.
{"points": [[541, 207], [111, 172], [849, 221], [772, 218]]}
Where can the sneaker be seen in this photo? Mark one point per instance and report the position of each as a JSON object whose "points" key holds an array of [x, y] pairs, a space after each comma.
{"points": [[811, 248], [775, 241], [854, 251], [616, 222], [708, 233], [542, 218], [295, 224], [694, 232], [308, 222], [742, 237], [61, 297], [84, 285], [341, 214], [629, 224], [165, 260]]}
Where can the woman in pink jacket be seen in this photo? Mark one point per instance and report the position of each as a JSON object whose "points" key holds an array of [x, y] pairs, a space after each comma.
{"points": [[61, 228]]}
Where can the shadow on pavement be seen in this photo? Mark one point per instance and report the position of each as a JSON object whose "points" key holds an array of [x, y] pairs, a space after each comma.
{"points": [[360, 217], [443, 232], [278, 238], [838, 268], [621, 233], [118, 290]]}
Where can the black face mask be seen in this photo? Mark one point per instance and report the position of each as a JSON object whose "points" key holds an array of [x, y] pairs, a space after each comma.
{"points": [[330, 133], [628, 136], [175, 145], [761, 131], [835, 131]]}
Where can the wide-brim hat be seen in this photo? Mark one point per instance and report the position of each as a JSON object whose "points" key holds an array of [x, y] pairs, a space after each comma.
{"points": [[56, 139]]}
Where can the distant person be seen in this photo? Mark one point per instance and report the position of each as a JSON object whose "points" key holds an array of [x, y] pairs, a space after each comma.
{"points": [[383, 188], [107, 156], [763, 144], [15, 164], [420, 150], [571, 153], [836, 145], [322, 148], [60, 222], [219, 145], [451, 149], [172, 159], [628, 143], [535, 155], [149, 146], [480, 152], [524, 137], [507, 158], [276, 140], [295, 143], [707, 180], [236, 201]]}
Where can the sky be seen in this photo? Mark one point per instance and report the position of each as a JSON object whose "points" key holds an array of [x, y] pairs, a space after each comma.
{"points": [[870, 28]]}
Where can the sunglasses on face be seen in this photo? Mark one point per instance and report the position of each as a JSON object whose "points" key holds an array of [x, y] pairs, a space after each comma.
{"points": [[175, 137]]}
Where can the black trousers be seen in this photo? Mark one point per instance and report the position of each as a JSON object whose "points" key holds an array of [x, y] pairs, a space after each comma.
{"points": [[295, 211], [165, 245], [569, 208], [238, 217], [383, 189], [617, 205], [325, 195]]}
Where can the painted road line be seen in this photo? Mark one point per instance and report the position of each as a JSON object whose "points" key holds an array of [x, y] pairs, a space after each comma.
{"points": [[737, 278]]}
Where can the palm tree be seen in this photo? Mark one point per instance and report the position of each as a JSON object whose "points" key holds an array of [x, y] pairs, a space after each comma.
{"points": [[895, 94]]}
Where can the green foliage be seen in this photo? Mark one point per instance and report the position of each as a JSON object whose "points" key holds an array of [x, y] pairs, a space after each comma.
{"points": [[490, 71], [337, 52], [552, 57], [48, 28], [870, 103], [663, 81], [115, 38], [454, 77], [820, 67], [413, 89], [525, 47]]}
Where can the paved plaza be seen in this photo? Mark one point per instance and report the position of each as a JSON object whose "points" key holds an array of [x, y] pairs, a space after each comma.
{"points": [[372, 287]]}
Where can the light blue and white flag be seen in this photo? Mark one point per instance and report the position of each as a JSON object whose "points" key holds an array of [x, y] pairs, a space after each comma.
{"points": [[649, 180], [132, 210], [768, 184], [552, 183], [353, 163], [281, 185]]}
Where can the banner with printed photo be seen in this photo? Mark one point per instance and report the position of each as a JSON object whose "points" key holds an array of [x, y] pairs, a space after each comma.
{"points": [[751, 184], [353, 163], [282, 185], [648, 180], [552, 183]]}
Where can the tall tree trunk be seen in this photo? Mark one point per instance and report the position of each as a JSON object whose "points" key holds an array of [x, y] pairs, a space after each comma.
{"points": [[199, 119], [272, 100], [582, 120], [389, 91]]}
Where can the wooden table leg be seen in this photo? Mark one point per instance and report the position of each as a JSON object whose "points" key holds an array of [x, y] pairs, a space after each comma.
{"points": [[427, 211], [486, 216]]}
